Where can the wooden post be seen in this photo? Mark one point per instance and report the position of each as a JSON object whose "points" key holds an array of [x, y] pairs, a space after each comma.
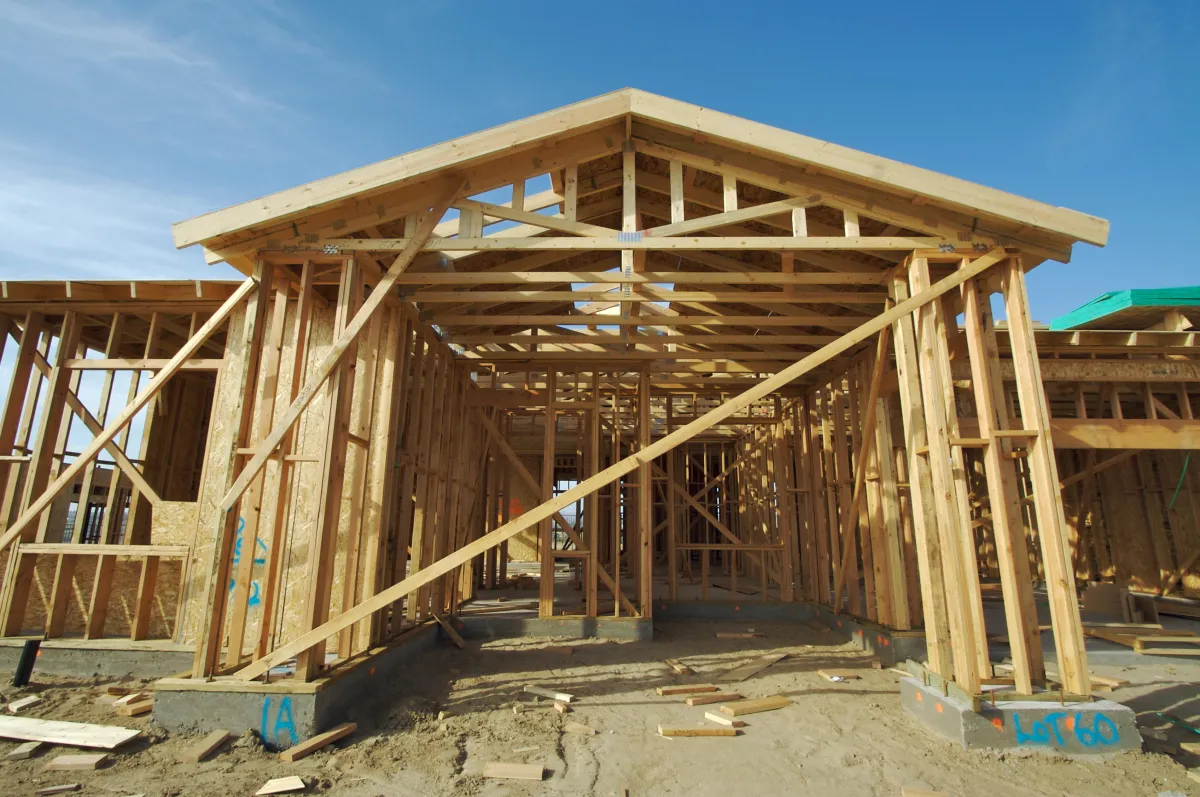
{"points": [[920, 479], [288, 471], [645, 520], [245, 546], [1013, 558], [44, 442], [244, 368], [546, 529], [322, 549], [1047, 499], [954, 520]]}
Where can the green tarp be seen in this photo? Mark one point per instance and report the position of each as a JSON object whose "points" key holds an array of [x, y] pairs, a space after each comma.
{"points": [[1109, 303]]}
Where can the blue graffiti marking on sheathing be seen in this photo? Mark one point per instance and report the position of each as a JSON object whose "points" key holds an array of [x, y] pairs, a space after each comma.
{"points": [[260, 558], [284, 729], [1103, 731]]}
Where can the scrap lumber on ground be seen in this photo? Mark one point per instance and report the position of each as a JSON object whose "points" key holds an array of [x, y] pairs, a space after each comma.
{"points": [[282, 786], [549, 694], [679, 667], [23, 750], [67, 734], [741, 707], [497, 769], [23, 703], [312, 745], [721, 719], [698, 731], [78, 761], [686, 689], [205, 747], [751, 668], [714, 697]]}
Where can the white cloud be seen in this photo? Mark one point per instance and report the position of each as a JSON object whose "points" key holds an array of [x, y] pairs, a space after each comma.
{"points": [[61, 221], [92, 50]]}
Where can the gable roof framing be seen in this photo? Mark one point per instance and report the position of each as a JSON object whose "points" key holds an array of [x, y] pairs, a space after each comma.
{"points": [[879, 187]]}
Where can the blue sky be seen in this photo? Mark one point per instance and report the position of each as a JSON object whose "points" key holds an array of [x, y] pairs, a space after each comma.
{"points": [[120, 117]]}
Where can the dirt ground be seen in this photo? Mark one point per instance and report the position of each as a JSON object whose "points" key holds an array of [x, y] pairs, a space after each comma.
{"points": [[847, 738]]}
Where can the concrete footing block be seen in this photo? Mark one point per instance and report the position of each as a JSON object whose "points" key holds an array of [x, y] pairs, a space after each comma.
{"points": [[284, 713], [1093, 728]]}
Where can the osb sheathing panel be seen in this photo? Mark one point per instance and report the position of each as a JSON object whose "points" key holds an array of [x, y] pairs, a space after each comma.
{"points": [[212, 483], [302, 509], [524, 546], [122, 603]]}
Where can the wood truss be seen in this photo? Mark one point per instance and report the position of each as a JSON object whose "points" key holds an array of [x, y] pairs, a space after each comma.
{"points": [[710, 350]]}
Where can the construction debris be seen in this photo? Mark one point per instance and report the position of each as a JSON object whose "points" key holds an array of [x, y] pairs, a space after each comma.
{"points": [[679, 667], [721, 719], [63, 789], [205, 747], [142, 706], [78, 761], [67, 734], [515, 771], [23, 703], [838, 675], [698, 731], [582, 730], [549, 694], [310, 746], [450, 632], [23, 751], [686, 689], [714, 697], [755, 706], [751, 668], [282, 786]]}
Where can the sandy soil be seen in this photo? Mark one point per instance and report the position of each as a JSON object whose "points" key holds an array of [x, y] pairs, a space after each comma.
{"points": [[837, 738]]}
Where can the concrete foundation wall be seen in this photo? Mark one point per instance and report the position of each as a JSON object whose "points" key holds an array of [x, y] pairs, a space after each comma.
{"points": [[98, 662], [1091, 728], [283, 714]]}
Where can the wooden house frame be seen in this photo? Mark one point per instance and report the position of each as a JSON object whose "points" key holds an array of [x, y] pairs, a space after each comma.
{"points": [[740, 341]]}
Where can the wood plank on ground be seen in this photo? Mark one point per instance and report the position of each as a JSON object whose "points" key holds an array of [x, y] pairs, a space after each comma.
{"points": [[755, 706], [687, 689], [135, 709], [697, 731], [62, 788], [721, 719], [309, 746], [23, 751], [753, 667], [679, 667], [450, 632], [282, 785], [714, 697], [67, 734], [23, 703], [549, 694], [78, 761], [498, 769], [205, 747]]}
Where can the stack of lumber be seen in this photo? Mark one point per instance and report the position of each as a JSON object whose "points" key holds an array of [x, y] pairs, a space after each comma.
{"points": [[1151, 640]]}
